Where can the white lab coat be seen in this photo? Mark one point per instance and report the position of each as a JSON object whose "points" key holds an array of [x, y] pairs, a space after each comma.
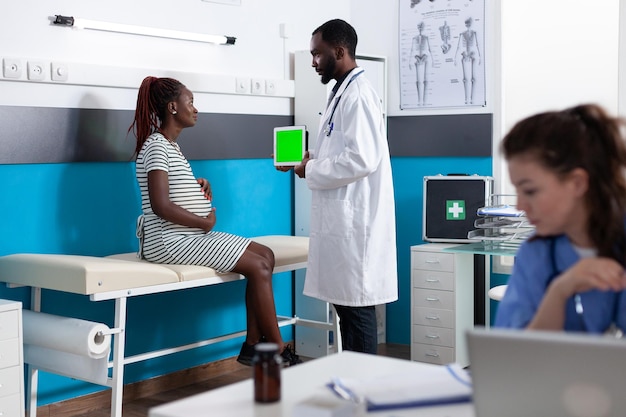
{"points": [[352, 246]]}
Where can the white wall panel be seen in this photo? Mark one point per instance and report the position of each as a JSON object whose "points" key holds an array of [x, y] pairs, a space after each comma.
{"points": [[260, 50], [556, 54]]}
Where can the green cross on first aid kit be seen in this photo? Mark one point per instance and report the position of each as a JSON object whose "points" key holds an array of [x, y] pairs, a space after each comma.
{"points": [[450, 205]]}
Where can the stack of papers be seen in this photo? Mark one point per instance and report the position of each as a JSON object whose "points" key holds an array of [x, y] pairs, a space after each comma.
{"points": [[438, 385], [502, 211]]}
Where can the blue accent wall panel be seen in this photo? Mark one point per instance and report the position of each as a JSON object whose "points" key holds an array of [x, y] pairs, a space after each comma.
{"points": [[90, 209], [408, 179], [496, 279]]}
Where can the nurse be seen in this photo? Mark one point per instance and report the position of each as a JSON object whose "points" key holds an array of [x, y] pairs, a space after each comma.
{"points": [[352, 248], [568, 170]]}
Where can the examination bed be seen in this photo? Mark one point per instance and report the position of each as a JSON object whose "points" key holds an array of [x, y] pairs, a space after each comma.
{"points": [[118, 277]]}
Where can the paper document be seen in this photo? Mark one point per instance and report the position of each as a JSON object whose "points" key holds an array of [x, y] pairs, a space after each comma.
{"points": [[435, 386], [503, 211]]}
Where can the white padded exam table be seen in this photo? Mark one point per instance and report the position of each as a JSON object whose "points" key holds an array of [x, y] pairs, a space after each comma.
{"points": [[118, 277]]}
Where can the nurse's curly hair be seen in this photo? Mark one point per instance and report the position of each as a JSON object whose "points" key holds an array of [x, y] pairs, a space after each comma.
{"points": [[586, 137], [338, 32], [154, 94]]}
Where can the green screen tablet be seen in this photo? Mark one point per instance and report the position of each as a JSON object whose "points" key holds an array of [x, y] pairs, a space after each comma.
{"points": [[289, 145]]}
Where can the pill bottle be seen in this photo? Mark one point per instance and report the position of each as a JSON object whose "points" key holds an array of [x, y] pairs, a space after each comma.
{"points": [[266, 365]]}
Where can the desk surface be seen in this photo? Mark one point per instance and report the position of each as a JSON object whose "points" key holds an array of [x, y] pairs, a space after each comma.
{"points": [[301, 382]]}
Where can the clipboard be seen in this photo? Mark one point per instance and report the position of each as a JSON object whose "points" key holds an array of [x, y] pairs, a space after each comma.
{"points": [[449, 384], [290, 145]]}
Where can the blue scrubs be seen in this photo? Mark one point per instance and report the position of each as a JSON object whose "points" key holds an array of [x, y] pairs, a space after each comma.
{"points": [[537, 262]]}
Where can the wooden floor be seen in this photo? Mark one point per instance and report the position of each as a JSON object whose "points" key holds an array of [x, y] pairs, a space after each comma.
{"points": [[140, 407]]}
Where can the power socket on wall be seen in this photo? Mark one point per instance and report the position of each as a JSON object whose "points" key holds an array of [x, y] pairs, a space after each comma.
{"points": [[36, 71], [258, 86], [11, 68], [58, 71], [243, 85]]}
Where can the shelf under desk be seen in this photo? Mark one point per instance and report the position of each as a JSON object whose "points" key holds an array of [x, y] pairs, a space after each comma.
{"points": [[492, 248]]}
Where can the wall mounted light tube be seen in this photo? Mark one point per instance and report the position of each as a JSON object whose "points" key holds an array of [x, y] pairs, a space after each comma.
{"points": [[79, 23]]}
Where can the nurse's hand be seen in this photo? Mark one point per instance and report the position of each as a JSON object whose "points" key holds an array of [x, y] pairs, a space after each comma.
{"points": [[587, 274], [300, 169], [603, 274]]}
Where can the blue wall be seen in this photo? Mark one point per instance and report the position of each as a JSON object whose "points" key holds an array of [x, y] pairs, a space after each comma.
{"points": [[496, 279], [408, 176], [90, 209]]}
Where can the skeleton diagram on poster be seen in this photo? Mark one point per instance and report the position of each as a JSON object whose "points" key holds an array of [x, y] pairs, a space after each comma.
{"points": [[442, 62]]}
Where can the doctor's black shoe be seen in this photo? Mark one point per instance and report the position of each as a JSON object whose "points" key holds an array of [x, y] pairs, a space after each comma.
{"points": [[246, 354], [289, 356]]}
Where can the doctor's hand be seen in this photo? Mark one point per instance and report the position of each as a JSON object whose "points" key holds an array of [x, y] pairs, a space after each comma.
{"points": [[282, 168], [603, 274], [300, 169]]}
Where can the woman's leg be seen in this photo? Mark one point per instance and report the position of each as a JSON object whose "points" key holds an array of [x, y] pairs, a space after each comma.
{"points": [[257, 265]]}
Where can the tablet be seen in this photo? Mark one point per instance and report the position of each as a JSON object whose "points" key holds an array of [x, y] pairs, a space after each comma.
{"points": [[289, 145]]}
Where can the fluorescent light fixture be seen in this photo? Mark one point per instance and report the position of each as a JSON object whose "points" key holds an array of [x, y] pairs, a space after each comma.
{"points": [[79, 23]]}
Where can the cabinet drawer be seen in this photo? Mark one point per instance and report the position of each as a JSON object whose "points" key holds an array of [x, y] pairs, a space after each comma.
{"points": [[9, 353], [439, 336], [11, 406], [8, 325], [435, 280], [437, 355], [433, 261], [9, 381], [433, 317], [433, 299]]}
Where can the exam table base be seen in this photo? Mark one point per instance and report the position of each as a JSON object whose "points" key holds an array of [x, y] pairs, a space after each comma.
{"points": [[116, 381]]}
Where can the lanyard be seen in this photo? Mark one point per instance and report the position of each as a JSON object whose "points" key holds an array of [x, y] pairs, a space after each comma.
{"points": [[331, 124], [578, 304]]}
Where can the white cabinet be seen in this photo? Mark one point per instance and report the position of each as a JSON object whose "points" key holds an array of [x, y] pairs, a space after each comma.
{"points": [[11, 360], [442, 303]]}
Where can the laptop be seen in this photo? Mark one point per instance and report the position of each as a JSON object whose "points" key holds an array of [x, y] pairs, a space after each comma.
{"points": [[522, 373]]}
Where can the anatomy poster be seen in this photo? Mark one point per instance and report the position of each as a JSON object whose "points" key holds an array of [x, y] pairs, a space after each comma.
{"points": [[442, 53]]}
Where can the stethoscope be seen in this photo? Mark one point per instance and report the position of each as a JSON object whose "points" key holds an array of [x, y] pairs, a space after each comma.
{"points": [[329, 127]]}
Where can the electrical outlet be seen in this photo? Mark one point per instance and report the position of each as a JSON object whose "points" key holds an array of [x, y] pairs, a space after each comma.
{"points": [[11, 68], [58, 71], [258, 86], [270, 87], [243, 86], [36, 70]]}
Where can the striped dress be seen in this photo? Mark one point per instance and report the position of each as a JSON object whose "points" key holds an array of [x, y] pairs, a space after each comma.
{"points": [[168, 243]]}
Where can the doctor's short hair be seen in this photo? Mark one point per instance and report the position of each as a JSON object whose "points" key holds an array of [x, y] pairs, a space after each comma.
{"points": [[338, 32]]}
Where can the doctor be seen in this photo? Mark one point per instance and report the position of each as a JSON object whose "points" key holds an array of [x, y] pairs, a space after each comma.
{"points": [[352, 253]]}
